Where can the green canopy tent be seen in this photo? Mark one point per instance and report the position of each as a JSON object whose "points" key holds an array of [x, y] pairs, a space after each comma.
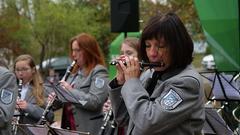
{"points": [[220, 23]]}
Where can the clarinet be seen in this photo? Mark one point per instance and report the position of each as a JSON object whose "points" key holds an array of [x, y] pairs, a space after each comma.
{"points": [[42, 121], [107, 117], [69, 70], [17, 111]]}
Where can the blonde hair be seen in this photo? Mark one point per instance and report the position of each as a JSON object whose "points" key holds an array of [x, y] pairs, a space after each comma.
{"points": [[37, 81], [134, 43]]}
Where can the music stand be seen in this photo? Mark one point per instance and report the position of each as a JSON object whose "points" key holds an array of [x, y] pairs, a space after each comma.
{"points": [[70, 132], [23, 130], [214, 124], [223, 87], [45, 130]]}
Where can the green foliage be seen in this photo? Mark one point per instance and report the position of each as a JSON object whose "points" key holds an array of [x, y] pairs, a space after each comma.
{"points": [[44, 28], [184, 8], [197, 60], [16, 31], [65, 20]]}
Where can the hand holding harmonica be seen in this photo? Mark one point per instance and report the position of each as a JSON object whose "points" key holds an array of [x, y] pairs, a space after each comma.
{"points": [[142, 63]]}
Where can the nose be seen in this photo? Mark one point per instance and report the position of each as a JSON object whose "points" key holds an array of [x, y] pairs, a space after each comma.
{"points": [[154, 51], [74, 54]]}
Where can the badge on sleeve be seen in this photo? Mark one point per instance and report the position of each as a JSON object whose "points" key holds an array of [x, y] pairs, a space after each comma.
{"points": [[171, 100], [83, 102], [99, 83], [6, 96]]}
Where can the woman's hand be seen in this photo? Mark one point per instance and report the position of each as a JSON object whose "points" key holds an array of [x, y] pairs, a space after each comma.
{"points": [[107, 106], [51, 97], [21, 104], [65, 85], [131, 69], [120, 74]]}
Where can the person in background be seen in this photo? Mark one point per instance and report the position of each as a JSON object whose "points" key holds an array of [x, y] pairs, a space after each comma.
{"points": [[85, 90], [3, 63], [129, 47], [53, 77], [166, 99], [8, 96], [31, 102]]}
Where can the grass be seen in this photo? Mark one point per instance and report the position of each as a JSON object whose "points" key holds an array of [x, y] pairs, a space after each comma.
{"points": [[58, 117]]}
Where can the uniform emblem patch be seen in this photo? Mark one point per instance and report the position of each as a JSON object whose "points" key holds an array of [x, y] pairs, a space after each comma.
{"points": [[99, 83], [83, 102], [6, 96], [171, 100]]}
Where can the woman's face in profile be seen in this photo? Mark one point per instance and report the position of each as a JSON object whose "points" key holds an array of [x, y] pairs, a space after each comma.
{"points": [[78, 54], [128, 51]]}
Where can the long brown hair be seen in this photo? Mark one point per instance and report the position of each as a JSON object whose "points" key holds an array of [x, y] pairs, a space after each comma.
{"points": [[92, 52], [37, 81]]}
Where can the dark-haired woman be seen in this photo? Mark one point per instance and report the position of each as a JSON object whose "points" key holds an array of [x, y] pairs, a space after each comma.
{"points": [[164, 100]]}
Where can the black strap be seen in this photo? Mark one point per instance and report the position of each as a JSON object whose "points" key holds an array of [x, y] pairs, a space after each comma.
{"points": [[152, 82]]}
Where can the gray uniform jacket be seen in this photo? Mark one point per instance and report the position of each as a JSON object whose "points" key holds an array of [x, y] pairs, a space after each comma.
{"points": [[176, 106], [33, 112], [8, 96], [88, 96]]}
